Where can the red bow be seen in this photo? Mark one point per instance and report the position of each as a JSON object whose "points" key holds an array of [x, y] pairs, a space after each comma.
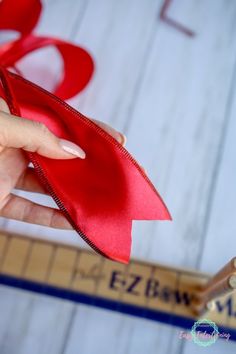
{"points": [[101, 194], [22, 16]]}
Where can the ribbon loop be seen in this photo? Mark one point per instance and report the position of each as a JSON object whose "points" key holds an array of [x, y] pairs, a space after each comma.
{"points": [[78, 64]]}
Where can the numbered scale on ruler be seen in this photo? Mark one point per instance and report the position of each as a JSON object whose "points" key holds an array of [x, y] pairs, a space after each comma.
{"points": [[169, 295]]}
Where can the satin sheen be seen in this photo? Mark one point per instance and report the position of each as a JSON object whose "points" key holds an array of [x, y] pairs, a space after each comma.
{"points": [[101, 194]]}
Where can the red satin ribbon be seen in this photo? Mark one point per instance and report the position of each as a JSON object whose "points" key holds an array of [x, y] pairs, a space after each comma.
{"points": [[100, 195], [22, 16], [19, 15]]}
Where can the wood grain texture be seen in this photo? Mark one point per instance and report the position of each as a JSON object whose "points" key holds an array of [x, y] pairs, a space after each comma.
{"points": [[219, 243], [31, 323], [174, 98]]}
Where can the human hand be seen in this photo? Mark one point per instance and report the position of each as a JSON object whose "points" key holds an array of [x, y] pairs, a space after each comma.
{"points": [[16, 135]]}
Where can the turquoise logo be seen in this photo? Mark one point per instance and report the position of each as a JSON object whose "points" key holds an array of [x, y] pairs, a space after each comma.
{"points": [[204, 332]]}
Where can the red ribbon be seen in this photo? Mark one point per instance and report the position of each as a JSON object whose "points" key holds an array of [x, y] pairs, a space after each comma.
{"points": [[102, 194], [22, 16]]}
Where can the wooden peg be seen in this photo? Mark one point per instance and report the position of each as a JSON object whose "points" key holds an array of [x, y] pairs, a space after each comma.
{"points": [[221, 284]]}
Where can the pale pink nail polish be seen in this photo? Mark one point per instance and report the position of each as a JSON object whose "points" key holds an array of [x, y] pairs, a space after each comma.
{"points": [[72, 148], [123, 139]]}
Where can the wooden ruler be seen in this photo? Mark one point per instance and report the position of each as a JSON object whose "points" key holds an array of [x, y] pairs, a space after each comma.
{"points": [[141, 289]]}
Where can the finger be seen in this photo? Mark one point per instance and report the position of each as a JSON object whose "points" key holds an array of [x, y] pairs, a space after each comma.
{"points": [[22, 209], [3, 106], [29, 182], [121, 138], [33, 136]]}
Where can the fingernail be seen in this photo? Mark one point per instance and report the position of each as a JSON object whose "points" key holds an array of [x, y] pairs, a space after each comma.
{"points": [[72, 148], [122, 139]]}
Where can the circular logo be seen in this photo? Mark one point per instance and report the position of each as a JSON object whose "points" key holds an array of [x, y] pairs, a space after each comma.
{"points": [[204, 332]]}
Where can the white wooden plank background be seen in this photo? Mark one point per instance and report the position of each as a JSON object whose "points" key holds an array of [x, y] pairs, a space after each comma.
{"points": [[175, 98]]}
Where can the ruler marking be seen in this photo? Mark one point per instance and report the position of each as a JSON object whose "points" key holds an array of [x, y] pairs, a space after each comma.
{"points": [[38, 261], [152, 278], [5, 246], [62, 266], [136, 284], [27, 257], [142, 289], [74, 270], [180, 297], [113, 276], [15, 256], [86, 273], [101, 276], [50, 262]]}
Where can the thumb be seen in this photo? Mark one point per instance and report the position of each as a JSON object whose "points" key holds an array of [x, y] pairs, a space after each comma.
{"points": [[33, 136]]}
